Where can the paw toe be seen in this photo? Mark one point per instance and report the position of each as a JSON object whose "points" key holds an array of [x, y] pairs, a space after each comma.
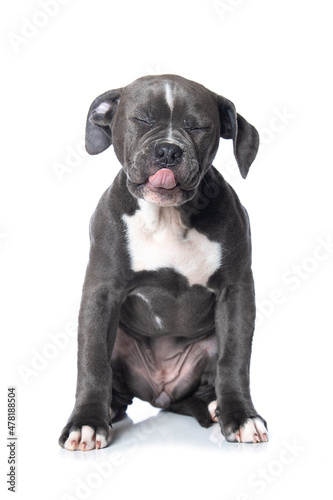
{"points": [[73, 440], [252, 431], [85, 440]]}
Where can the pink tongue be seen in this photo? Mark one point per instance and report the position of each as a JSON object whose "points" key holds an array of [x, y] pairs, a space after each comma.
{"points": [[163, 178]]}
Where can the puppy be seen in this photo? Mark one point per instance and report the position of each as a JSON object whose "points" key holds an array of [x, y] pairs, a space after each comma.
{"points": [[168, 307]]}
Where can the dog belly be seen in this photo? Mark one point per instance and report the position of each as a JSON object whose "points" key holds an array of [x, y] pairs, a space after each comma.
{"points": [[164, 369]]}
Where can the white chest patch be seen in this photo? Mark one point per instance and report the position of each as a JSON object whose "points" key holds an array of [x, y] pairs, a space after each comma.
{"points": [[157, 239]]}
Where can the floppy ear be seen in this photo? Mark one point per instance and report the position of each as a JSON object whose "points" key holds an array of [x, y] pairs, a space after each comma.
{"points": [[98, 128], [245, 137]]}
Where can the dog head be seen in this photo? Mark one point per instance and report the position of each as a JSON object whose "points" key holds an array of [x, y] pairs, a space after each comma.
{"points": [[165, 131]]}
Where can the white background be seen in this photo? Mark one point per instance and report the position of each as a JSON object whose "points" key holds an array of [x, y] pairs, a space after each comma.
{"points": [[273, 60]]}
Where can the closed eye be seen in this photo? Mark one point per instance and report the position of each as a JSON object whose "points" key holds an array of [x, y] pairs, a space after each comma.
{"points": [[196, 129], [141, 121]]}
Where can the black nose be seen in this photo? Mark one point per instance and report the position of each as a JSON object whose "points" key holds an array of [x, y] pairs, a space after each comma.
{"points": [[168, 154]]}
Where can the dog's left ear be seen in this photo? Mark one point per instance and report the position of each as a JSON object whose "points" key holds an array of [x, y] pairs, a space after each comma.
{"points": [[100, 115], [245, 137]]}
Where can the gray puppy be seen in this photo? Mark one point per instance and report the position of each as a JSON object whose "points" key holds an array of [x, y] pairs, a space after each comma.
{"points": [[168, 308]]}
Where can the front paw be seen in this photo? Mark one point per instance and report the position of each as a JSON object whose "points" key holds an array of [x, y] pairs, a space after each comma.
{"points": [[236, 429], [84, 432], [84, 439]]}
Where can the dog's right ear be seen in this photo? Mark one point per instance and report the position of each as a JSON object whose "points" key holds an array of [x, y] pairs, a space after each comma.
{"points": [[100, 115]]}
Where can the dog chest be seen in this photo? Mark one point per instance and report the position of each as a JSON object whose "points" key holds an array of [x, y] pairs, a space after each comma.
{"points": [[157, 239]]}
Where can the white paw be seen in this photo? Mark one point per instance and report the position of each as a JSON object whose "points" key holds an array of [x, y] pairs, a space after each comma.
{"points": [[253, 431], [85, 440], [212, 410]]}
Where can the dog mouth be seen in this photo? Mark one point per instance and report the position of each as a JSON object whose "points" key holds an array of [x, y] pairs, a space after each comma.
{"points": [[162, 179], [164, 188]]}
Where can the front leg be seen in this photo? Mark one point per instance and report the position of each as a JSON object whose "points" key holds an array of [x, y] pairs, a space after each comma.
{"points": [[88, 425], [235, 317]]}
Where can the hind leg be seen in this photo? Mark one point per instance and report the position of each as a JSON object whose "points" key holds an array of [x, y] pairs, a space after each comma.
{"points": [[121, 399], [198, 405], [117, 412]]}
